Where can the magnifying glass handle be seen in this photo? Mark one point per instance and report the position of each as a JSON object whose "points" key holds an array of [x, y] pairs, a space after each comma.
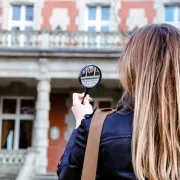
{"points": [[85, 94]]}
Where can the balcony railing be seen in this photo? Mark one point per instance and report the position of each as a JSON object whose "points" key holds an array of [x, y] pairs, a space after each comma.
{"points": [[19, 164], [15, 158], [11, 161], [63, 39]]}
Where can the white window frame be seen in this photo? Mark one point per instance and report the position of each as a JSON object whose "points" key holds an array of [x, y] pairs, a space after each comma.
{"points": [[22, 23], [98, 22], [176, 18], [17, 117]]}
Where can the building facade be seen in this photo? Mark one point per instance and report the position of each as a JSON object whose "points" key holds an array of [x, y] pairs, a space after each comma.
{"points": [[43, 46]]}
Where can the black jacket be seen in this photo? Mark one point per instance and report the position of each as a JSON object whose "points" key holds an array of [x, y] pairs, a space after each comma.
{"points": [[115, 149]]}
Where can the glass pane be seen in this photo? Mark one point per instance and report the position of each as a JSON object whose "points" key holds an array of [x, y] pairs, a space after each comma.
{"points": [[104, 104], [7, 141], [92, 28], [28, 36], [104, 39], [16, 28], [97, 73], [83, 73], [25, 137], [105, 13], [169, 14], [92, 13], [9, 106], [16, 12], [27, 106], [29, 13], [15, 35], [28, 28], [104, 28], [92, 37]]}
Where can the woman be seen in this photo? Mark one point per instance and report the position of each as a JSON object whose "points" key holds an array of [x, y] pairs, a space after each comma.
{"points": [[141, 140]]}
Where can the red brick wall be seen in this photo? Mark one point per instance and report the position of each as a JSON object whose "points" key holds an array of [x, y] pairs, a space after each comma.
{"points": [[72, 12], [57, 118], [127, 5]]}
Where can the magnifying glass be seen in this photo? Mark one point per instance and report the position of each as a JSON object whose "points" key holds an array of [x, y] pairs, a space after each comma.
{"points": [[89, 77]]}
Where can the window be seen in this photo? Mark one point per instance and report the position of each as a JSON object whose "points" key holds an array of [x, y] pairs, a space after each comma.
{"points": [[172, 15], [22, 17], [29, 13], [15, 35], [98, 18], [28, 36], [22, 20], [101, 103], [25, 135], [7, 140], [16, 14], [92, 13], [169, 14], [16, 122], [9, 106]]}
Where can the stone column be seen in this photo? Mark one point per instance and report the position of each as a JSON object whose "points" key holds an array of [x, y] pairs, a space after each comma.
{"points": [[41, 124]]}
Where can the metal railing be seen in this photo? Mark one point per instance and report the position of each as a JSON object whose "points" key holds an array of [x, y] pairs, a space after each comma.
{"points": [[63, 39]]}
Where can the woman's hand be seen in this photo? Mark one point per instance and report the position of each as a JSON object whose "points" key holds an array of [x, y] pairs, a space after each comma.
{"points": [[79, 109]]}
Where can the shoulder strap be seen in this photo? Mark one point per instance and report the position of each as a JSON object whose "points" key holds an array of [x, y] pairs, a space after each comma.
{"points": [[92, 147]]}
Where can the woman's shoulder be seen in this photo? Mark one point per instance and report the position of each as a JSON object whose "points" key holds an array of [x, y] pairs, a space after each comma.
{"points": [[118, 122]]}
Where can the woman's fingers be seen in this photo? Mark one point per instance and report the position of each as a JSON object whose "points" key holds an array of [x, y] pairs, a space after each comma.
{"points": [[87, 100], [77, 95], [77, 98], [90, 99]]}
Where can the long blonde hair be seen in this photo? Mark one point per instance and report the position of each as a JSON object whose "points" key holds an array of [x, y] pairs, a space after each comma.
{"points": [[150, 74]]}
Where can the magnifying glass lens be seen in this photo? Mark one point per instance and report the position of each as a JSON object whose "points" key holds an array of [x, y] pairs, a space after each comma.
{"points": [[90, 76]]}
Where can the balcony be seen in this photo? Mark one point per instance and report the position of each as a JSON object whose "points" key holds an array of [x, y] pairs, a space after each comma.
{"points": [[46, 39]]}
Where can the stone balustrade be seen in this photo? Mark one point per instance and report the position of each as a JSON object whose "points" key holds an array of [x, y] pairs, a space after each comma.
{"points": [[18, 164], [11, 161], [63, 39], [14, 157]]}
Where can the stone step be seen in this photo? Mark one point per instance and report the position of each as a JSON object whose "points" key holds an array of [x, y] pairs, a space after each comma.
{"points": [[45, 177], [8, 176]]}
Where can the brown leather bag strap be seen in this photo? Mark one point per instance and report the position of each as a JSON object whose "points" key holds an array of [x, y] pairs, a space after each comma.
{"points": [[92, 147]]}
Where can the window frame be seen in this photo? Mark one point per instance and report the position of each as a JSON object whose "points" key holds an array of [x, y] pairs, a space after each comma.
{"points": [[98, 22], [22, 23], [17, 117], [176, 15]]}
